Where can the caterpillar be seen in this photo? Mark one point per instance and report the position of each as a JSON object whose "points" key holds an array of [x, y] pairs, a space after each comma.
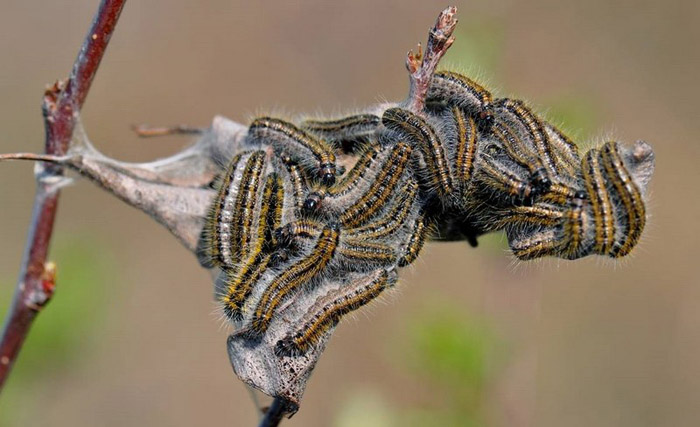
{"points": [[302, 241]]}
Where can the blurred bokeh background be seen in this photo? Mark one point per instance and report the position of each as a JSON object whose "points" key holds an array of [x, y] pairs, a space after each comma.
{"points": [[471, 337]]}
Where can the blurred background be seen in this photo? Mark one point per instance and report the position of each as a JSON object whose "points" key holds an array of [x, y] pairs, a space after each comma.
{"points": [[471, 337]]}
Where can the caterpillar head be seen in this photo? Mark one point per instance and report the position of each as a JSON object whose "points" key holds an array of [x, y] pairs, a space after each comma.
{"points": [[605, 215]]}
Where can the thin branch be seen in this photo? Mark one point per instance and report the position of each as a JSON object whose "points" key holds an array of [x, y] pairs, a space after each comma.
{"points": [[34, 157], [421, 66], [145, 131], [62, 102], [276, 412]]}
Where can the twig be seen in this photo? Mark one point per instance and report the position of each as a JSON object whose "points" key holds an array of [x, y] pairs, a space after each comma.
{"points": [[34, 157], [145, 131], [276, 412], [421, 66], [62, 102]]}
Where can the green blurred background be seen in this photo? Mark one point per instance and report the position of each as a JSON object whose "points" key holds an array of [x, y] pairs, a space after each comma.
{"points": [[471, 337]]}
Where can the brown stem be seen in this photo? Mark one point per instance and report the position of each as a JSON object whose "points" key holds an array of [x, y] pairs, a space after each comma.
{"points": [[34, 157], [145, 131], [62, 102], [279, 409], [421, 66]]}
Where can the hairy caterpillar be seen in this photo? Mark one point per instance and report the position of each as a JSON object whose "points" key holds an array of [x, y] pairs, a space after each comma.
{"points": [[302, 242]]}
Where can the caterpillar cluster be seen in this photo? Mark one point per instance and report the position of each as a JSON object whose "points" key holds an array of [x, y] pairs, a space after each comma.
{"points": [[290, 221]]}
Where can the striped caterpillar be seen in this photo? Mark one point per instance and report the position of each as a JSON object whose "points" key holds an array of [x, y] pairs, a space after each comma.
{"points": [[302, 240]]}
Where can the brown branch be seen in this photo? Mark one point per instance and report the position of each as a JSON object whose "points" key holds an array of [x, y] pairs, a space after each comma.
{"points": [[145, 131], [279, 409], [62, 102], [421, 66]]}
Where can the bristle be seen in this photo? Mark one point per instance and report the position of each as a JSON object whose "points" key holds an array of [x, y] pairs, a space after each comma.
{"points": [[389, 222], [293, 278], [380, 190], [363, 253], [357, 129], [535, 129], [421, 135], [329, 309], [458, 90], [466, 147], [629, 195], [419, 234], [288, 140], [600, 203]]}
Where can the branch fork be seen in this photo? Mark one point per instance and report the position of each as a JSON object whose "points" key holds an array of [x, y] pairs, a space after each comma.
{"points": [[62, 101]]}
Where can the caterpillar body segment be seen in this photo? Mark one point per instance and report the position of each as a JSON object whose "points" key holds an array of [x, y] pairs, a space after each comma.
{"points": [[521, 116], [541, 215], [244, 212], [210, 249], [239, 282], [327, 201], [303, 148], [395, 216], [539, 244], [389, 177], [601, 202], [507, 185], [328, 309], [453, 89], [565, 151], [630, 197], [419, 234], [228, 227], [292, 280], [421, 135], [296, 184], [517, 150], [465, 149], [349, 134]]}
